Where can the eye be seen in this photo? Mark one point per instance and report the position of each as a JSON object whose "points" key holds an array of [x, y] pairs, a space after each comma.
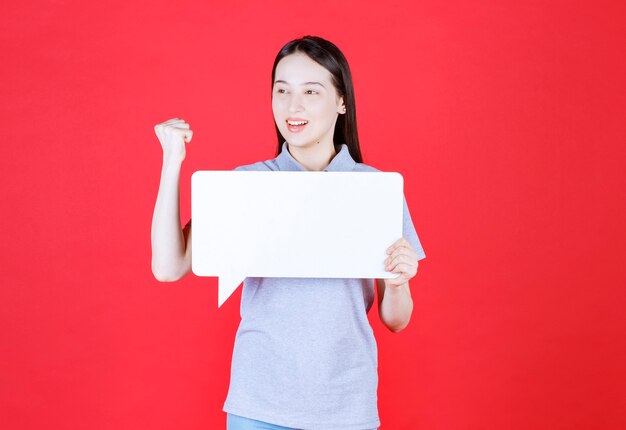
{"points": [[280, 90], [310, 92]]}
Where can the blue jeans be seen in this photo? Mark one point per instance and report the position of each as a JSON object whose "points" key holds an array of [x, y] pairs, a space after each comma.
{"points": [[235, 422]]}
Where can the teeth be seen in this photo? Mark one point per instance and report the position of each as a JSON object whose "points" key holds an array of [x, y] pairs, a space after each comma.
{"points": [[296, 122]]}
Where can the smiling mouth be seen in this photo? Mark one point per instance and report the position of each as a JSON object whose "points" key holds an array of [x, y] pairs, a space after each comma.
{"points": [[296, 126]]}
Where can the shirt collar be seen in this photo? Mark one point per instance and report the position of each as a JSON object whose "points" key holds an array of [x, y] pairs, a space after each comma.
{"points": [[341, 162]]}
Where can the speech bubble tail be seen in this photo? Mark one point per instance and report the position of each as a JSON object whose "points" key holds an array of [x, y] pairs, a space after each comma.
{"points": [[226, 286]]}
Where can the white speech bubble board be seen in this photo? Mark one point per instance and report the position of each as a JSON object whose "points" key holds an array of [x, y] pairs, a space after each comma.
{"points": [[293, 224]]}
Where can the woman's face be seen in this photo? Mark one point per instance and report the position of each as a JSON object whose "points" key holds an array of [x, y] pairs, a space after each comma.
{"points": [[304, 101]]}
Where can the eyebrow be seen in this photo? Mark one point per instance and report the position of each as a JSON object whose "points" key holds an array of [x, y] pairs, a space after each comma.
{"points": [[304, 83]]}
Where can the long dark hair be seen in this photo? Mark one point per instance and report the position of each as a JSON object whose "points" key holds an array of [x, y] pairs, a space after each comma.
{"points": [[332, 59]]}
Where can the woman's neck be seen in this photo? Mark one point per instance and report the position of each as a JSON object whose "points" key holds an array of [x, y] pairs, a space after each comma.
{"points": [[313, 158]]}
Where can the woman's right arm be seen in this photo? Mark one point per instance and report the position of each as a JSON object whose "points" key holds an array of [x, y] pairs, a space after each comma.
{"points": [[171, 245]]}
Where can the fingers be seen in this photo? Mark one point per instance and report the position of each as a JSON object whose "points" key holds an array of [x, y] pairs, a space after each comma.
{"points": [[401, 252], [175, 126], [188, 135], [184, 133], [400, 280], [404, 268], [407, 269], [400, 243], [393, 263], [401, 259], [174, 122], [401, 247]]}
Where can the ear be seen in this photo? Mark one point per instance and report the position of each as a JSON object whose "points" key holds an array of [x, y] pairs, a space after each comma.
{"points": [[341, 107]]}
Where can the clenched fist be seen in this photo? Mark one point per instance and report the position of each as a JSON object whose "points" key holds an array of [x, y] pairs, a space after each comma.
{"points": [[173, 134]]}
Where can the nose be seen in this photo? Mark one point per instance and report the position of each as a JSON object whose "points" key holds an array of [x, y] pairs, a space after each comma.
{"points": [[295, 102]]}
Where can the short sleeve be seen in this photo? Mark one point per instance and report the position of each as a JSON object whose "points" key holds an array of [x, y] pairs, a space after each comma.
{"points": [[408, 231]]}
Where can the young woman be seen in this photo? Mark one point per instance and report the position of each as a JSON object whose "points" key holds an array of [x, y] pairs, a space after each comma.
{"points": [[305, 356]]}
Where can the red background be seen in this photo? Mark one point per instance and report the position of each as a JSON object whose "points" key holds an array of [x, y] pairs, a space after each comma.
{"points": [[506, 119]]}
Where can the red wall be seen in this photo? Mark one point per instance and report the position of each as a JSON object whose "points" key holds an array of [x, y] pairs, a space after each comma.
{"points": [[505, 118]]}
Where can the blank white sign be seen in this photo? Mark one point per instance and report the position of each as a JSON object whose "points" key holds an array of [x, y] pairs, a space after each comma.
{"points": [[293, 224]]}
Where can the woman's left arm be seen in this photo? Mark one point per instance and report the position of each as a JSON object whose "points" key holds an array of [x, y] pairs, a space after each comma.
{"points": [[395, 304]]}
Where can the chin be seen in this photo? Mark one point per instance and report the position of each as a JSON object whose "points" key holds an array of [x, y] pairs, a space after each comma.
{"points": [[300, 143]]}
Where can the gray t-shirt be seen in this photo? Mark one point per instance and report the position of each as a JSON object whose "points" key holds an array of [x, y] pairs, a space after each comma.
{"points": [[305, 355]]}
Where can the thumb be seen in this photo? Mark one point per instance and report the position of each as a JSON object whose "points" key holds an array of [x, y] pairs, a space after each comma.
{"points": [[188, 135]]}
